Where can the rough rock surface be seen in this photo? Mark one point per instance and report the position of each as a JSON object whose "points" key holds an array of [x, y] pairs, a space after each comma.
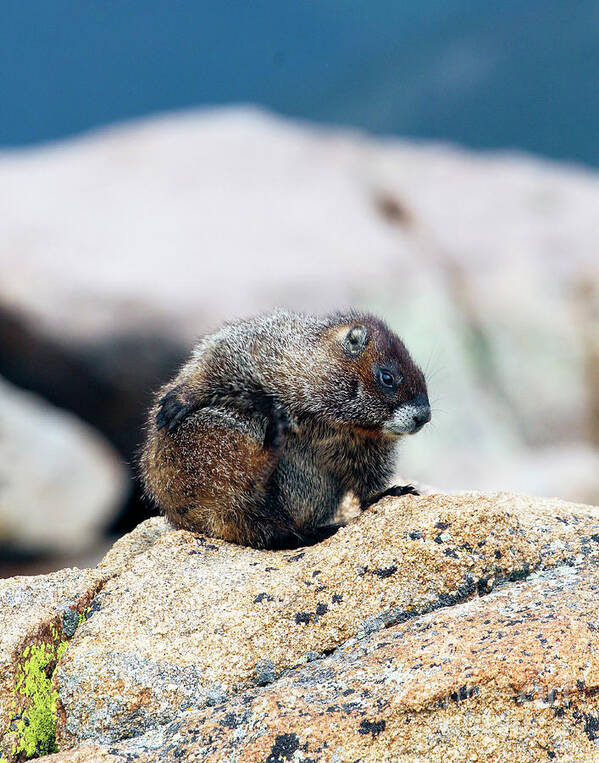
{"points": [[136, 542], [493, 258], [60, 482], [37, 616], [509, 676], [192, 621]]}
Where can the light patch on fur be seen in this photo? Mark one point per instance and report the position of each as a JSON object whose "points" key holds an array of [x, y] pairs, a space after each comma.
{"points": [[341, 332], [403, 420]]}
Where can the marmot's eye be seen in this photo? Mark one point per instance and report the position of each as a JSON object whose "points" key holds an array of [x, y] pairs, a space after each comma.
{"points": [[387, 380]]}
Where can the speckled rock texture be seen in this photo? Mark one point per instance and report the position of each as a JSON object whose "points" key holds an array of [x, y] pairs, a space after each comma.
{"points": [[136, 542], [193, 622], [90, 753], [36, 613], [512, 676]]}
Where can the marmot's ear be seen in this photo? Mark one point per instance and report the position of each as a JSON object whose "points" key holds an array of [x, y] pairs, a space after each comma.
{"points": [[356, 340]]}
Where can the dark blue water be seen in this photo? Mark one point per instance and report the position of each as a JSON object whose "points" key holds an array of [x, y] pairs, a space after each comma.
{"points": [[519, 74]]}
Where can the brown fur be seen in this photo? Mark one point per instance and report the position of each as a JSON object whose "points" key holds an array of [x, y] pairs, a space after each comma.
{"points": [[272, 422]]}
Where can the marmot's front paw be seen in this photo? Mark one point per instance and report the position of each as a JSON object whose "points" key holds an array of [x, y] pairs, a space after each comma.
{"points": [[278, 426], [396, 491], [173, 409], [278, 422]]}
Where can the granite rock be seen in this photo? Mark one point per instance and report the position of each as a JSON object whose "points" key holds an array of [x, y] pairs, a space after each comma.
{"points": [[509, 676], [37, 616], [130, 545], [192, 621]]}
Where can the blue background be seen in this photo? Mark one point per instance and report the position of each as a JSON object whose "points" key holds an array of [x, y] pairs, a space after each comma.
{"points": [[519, 74]]}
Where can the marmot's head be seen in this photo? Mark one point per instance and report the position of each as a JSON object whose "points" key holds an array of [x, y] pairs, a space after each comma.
{"points": [[371, 380]]}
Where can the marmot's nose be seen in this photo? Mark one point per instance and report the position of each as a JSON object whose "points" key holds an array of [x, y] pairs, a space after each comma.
{"points": [[421, 417], [422, 411]]}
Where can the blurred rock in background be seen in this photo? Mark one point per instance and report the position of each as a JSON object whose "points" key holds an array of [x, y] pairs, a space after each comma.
{"points": [[60, 482], [121, 247]]}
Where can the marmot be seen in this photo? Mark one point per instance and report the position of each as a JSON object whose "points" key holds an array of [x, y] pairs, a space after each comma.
{"points": [[274, 419]]}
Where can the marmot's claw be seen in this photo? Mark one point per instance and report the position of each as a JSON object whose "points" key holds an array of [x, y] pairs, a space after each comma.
{"points": [[395, 491], [172, 411], [398, 490]]}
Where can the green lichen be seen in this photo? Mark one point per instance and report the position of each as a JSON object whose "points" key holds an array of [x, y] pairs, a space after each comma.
{"points": [[82, 618], [34, 725]]}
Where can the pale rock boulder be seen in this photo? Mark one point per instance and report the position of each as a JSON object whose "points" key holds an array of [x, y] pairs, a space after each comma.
{"points": [[357, 215], [60, 482], [509, 676], [190, 621], [486, 263], [89, 753], [140, 539]]}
